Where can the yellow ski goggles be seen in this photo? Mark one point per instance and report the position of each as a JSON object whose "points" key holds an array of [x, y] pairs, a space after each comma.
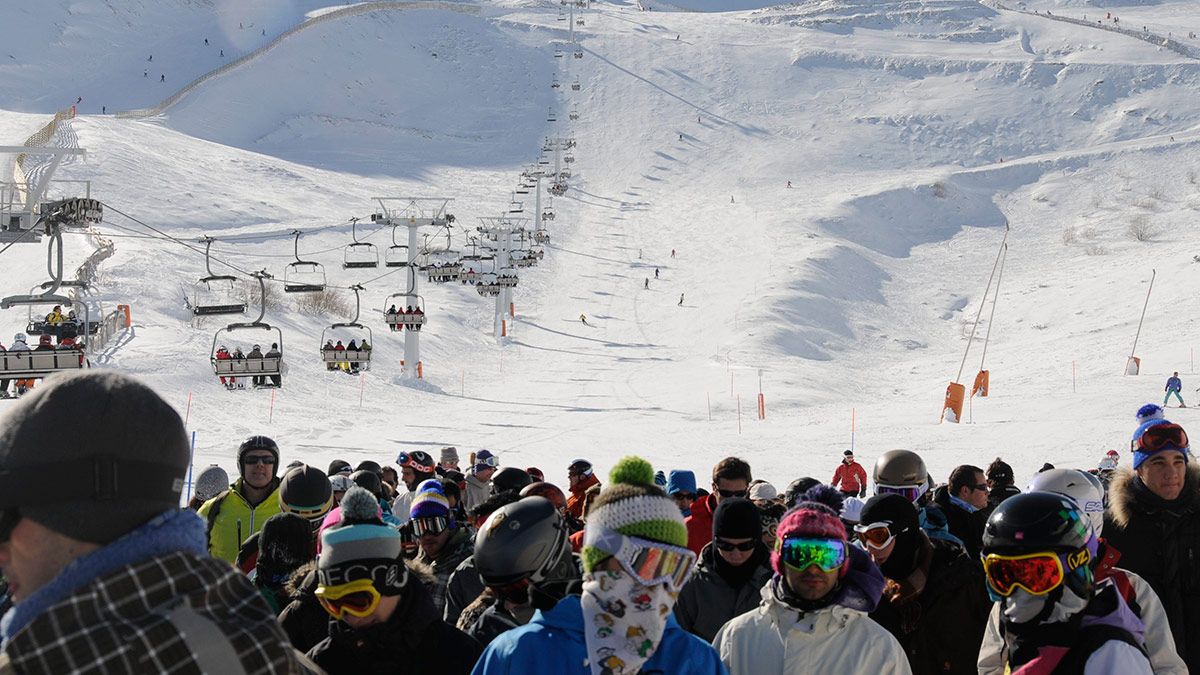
{"points": [[358, 598]]}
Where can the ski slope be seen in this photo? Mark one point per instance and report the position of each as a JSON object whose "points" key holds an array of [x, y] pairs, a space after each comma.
{"points": [[910, 132]]}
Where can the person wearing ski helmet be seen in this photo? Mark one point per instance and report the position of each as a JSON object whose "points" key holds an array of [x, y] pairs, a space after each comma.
{"points": [[477, 487], [383, 618], [934, 603], [416, 467], [523, 556], [509, 479], [1087, 491], [903, 472], [240, 511], [580, 477], [813, 614], [1054, 617], [1001, 482], [635, 560], [1153, 519], [465, 584], [340, 483], [304, 491]]}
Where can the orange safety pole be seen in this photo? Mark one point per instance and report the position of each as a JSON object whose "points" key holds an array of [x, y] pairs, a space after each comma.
{"points": [[852, 421], [762, 407], [420, 370], [271, 414], [188, 415], [512, 310], [128, 317], [503, 328]]}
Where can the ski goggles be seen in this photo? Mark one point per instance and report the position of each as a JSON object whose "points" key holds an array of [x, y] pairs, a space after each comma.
{"points": [[876, 535], [418, 460], [430, 525], [492, 461], [910, 492], [1035, 573], [800, 553], [357, 598], [650, 562], [1165, 436]]}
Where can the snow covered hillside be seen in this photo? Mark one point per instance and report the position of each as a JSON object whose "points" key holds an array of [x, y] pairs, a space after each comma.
{"points": [[909, 133]]}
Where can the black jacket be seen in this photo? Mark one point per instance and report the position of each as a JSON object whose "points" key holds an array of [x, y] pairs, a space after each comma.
{"points": [[965, 525], [413, 640], [707, 600], [1160, 541], [941, 627], [1000, 493]]}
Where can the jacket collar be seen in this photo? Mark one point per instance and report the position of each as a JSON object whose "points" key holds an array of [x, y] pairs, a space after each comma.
{"points": [[1127, 495]]}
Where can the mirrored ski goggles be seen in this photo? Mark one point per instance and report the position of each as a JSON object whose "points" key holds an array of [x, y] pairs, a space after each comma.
{"points": [[1036, 573], [910, 492], [357, 598], [1165, 436], [431, 525], [800, 553], [418, 460], [492, 461], [650, 562], [876, 535]]}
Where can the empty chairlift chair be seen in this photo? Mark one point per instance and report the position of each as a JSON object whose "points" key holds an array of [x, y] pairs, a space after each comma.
{"points": [[359, 254], [303, 276], [216, 293]]}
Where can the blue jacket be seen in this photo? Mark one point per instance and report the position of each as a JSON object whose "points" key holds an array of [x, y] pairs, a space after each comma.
{"points": [[1173, 384], [553, 644]]}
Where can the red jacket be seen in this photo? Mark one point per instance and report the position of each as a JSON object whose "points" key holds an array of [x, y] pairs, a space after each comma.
{"points": [[700, 523], [575, 501], [852, 476]]}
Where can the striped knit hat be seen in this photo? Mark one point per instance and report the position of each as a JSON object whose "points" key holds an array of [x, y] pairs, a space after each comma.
{"points": [[363, 549], [430, 501], [633, 506]]}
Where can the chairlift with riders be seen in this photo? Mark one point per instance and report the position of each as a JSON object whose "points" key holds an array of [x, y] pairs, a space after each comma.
{"points": [[268, 366], [347, 359]]}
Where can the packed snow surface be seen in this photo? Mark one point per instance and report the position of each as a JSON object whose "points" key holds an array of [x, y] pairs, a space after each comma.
{"points": [[911, 133]]}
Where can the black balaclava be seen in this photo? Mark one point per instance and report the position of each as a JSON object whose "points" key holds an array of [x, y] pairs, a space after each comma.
{"points": [[738, 518]]}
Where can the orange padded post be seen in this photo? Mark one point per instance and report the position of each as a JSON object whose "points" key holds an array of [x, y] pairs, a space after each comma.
{"points": [[952, 408], [128, 317], [420, 370], [980, 388]]}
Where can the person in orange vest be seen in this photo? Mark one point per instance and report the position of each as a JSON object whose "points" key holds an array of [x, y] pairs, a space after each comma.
{"points": [[580, 477], [850, 477]]}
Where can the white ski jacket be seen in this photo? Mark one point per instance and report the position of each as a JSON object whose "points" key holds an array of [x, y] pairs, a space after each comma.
{"points": [[776, 638]]}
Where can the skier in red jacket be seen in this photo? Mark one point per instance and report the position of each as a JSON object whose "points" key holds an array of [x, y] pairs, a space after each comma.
{"points": [[850, 477]]}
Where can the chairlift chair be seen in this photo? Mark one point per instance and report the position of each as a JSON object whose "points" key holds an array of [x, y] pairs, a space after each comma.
{"points": [[265, 367], [578, 54], [348, 359], [575, 86], [554, 83], [407, 315], [359, 254], [515, 206], [216, 293], [547, 214], [541, 236], [568, 158], [558, 188], [303, 276], [579, 21], [507, 277], [574, 114]]}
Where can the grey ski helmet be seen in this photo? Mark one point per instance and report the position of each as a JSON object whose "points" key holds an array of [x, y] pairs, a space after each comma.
{"points": [[523, 540], [900, 468]]}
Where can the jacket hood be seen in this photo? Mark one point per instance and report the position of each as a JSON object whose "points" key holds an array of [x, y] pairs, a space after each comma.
{"points": [[1127, 495]]}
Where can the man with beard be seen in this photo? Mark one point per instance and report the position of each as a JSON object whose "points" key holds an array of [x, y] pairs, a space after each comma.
{"points": [[1054, 617], [730, 573], [813, 617], [934, 602], [635, 560]]}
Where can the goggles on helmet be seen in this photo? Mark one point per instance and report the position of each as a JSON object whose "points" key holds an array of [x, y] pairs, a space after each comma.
{"points": [[650, 562], [357, 598], [910, 492], [1165, 436], [800, 553], [1036, 573], [876, 535], [418, 460], [492, 461]]}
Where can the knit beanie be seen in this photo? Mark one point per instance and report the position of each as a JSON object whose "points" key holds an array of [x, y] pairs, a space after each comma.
{"points": [[681, 481], [1150, 411], [633, 506], [737, 518], [480, 464], [852, 510], [449, 455], [362, 547], [816, 515], [211, 482], [99, 483], [1140, 455], [762, 490], [284, 544], [430, 502]]}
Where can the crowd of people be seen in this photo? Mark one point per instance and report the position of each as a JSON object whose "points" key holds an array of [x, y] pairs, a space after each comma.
{"points": [[429, 567]]}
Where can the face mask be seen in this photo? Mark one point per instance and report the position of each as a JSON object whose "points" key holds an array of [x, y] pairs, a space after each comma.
{"points": [[623, 621], [1023, 607]]}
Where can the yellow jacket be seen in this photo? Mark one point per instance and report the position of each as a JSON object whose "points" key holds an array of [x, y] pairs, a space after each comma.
{"points": [[231, 519]]}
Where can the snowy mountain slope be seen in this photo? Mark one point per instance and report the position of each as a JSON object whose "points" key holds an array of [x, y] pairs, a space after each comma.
{"points": [[848, 290]]}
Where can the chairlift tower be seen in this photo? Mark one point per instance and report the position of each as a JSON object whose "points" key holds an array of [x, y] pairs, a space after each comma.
{"points": [[412, 213], [558, 179], [501, 230], [21, 199]]}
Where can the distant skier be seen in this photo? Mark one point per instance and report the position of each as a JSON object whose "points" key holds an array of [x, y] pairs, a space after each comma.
{"points": [[162, 78], [789, 183], [222, 53], [672, 253], [1174, 386], [151, 58], [681, 299], [205, 42], [103, 110], [78, 100], [145, 73], [730, 199], [583, 319], [656, 269], [647, 283]]}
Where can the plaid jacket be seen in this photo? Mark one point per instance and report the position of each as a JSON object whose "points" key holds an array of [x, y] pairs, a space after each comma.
{"points": [[175, 613]]}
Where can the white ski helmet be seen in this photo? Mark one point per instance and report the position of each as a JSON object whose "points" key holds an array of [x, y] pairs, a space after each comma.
{"points": [[1081, 487], [19, 337]]}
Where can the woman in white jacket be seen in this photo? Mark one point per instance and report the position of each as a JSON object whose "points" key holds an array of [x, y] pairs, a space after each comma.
{"points": [[813, 617]]}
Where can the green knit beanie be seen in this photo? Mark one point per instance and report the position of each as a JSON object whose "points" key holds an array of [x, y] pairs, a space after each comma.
{"points": [[634, 506]]}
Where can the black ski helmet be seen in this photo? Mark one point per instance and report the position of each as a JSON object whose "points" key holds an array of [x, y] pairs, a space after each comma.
{"points": [[306, 492], [509, 478], [522, 540], [257, 443], [372, 466], [1033, 522], [900, 467], [797, 488], [369, 481], [339, 466]]}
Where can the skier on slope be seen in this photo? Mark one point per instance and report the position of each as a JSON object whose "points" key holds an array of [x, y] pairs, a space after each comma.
{"points": [[1174, 386], [646, 284], [681, 299]]}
